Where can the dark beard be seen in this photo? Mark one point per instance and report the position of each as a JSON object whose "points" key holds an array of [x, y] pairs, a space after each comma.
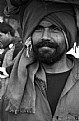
{"points": [[47, 56]]}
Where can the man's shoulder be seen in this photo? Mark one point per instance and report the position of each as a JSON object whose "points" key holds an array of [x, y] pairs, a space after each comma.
{"points": [[73, 58], [75, 68]]}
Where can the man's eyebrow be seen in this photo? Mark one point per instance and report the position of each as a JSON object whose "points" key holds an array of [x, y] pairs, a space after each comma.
{"points": [[51, 26]]}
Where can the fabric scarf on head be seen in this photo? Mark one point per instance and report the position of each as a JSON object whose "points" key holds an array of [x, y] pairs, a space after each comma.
{"points": [[21, 89], [64, 17], [64, 25]]}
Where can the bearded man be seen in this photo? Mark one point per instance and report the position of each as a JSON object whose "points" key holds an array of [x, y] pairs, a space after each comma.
{"points": [[43, 84]]}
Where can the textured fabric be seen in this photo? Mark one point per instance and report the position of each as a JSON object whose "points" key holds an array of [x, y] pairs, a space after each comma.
{"points": [[24, 68], [65, 26], [55, 85], [8, 58], [67, 108]]}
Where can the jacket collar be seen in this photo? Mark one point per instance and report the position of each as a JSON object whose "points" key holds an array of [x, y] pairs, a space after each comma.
{"points": [[72, 79]]}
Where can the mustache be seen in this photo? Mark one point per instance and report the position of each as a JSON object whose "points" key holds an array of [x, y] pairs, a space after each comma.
{"points": [[46, 43]]}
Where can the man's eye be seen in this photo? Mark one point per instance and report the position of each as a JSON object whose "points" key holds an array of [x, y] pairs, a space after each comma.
{"points": [[55, 29], [39, 28]]}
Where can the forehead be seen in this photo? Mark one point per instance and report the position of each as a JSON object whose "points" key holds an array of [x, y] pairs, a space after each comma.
{"points": [[45, 23]]}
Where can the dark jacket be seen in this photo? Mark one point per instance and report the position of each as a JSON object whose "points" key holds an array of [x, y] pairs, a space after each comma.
{"points": [[66, 110]]}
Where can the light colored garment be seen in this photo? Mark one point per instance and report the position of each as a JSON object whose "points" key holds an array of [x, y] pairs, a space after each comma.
{"points": [[1, 51], [3, 81], [8, 58]]}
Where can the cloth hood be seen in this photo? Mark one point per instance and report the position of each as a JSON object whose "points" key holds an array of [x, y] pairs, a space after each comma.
{"points": [[37, 10]]}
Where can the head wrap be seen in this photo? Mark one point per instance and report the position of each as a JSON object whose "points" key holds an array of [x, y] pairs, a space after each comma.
{"points": [[21, 89], [62, 14]]}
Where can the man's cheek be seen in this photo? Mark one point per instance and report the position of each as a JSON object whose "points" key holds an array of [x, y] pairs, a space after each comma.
{"points": [[36, 38]]}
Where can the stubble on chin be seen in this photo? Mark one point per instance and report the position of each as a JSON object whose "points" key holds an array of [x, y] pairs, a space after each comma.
{"points": [[48, 57]]}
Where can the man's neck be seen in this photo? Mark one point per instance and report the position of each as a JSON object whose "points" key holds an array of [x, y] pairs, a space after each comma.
{"points": [[61, 66]]}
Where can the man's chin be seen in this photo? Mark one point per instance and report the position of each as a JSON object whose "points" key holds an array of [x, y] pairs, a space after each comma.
{"points": [[48, 55], [48, 58], [47, 61]]}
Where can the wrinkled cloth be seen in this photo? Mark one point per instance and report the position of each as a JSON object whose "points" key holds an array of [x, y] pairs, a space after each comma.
{"points": [[64, 16], [65, 13], [21, 88], [68, 104]]}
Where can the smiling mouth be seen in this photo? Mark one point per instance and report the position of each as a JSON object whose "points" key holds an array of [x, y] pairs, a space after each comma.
{"points": [[46, 49]]}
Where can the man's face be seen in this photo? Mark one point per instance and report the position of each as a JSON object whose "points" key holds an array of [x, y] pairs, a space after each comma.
{"points": [[48, 43]]}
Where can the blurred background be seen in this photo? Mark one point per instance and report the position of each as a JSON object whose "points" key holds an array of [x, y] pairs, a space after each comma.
{"points": [[10, 37]]}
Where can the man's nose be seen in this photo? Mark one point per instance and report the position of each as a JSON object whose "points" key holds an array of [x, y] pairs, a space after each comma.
{"points": [[46, 34]]}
